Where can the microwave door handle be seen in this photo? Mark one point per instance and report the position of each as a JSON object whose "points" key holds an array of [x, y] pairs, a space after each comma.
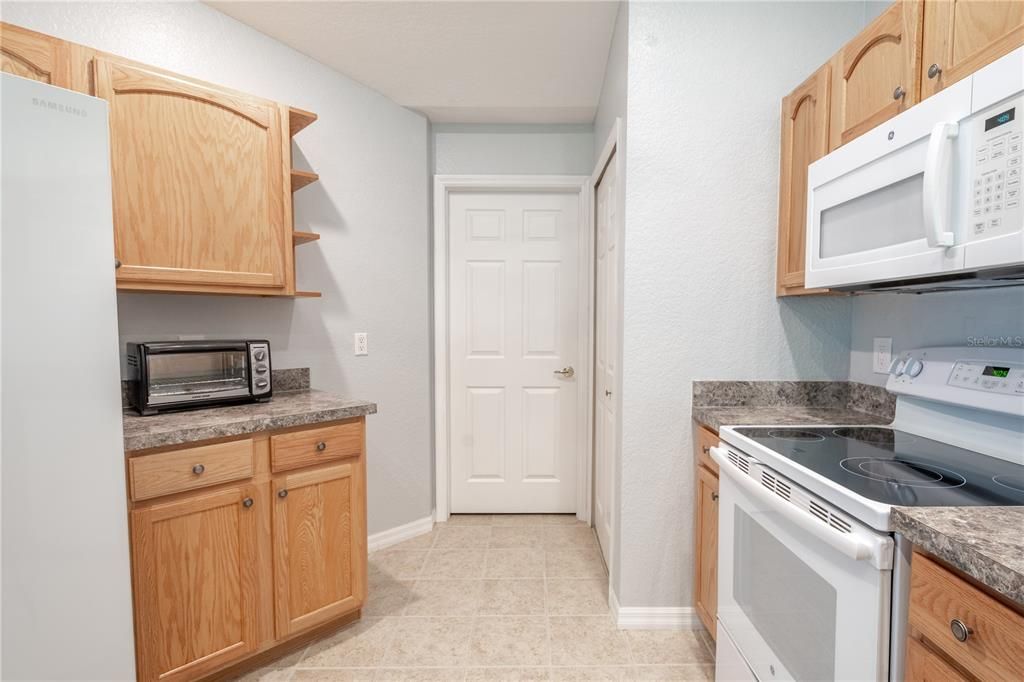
{"points": [[938, 170], [848, 545]]}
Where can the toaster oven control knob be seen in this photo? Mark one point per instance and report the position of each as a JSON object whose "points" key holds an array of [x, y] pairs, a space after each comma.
{"points": [[261, 383], [260, 355], [914, 367], [261, 369]]}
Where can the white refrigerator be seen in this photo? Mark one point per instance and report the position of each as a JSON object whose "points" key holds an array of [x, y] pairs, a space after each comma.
{"points": [[66, 587]]}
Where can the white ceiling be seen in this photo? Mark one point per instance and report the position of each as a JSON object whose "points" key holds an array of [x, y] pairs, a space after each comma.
{"points": [[457, 62]]}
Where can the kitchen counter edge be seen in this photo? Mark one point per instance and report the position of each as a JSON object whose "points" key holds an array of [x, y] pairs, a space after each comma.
{"points": [[983, 542], [284, 410]]}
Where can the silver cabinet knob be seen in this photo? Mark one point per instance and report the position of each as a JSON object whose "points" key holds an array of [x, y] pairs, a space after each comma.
{"points": [[321, 446], [567, 372], [198, 469], [934, 70], [282, 493], [247, 502], [899, 92], [117, 263], [714, 497], [607, 393], [706, 449], [959, 630]]}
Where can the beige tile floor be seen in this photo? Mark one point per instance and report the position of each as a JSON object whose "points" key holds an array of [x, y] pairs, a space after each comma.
{"points": [[504, 597]]}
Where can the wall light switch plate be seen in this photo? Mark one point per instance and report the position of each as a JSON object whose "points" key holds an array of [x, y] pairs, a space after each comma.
{"points": [[881, 357], [361, 347]]}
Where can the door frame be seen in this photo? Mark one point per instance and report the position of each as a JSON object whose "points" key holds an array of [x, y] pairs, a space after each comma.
{"points": [[445, 185], [614, 146]]}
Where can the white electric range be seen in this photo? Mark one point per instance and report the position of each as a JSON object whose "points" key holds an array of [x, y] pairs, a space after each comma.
{"points": [[812, 582]]}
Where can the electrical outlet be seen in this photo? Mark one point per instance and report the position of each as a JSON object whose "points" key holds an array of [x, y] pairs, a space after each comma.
{"points": [[361, 346], [881, 358]]}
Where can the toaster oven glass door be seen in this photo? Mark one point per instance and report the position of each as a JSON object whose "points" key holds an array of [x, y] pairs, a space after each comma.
{"points": [[193, 376]]}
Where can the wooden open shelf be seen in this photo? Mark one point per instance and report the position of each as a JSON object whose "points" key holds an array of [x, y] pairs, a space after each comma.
{"points": [[308, 294], [304, 237], [299, 119], [301, 178]]}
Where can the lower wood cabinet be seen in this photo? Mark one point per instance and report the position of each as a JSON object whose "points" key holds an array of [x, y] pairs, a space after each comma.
{"points": [[196, 586], [705, 579], [319, 545], [959, 630], [225, 570]]}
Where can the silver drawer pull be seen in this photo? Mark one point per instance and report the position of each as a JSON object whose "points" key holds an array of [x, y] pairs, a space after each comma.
{"points": [[321, 446], [899, 93], [934, 70], [960, 631], [282, 493], [247, 502], [198, 469]]}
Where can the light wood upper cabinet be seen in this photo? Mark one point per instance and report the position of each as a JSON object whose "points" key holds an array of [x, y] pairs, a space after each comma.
{"points": [[33, 55], [195, 572], [877, 74], [198, 185], [319, 544], [961, 36], [805, 114]]}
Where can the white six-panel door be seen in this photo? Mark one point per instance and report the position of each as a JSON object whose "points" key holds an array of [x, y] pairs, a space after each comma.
{"points": [[513, 325], [605, 353]]}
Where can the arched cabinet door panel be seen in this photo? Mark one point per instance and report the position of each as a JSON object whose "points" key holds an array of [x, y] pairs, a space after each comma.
{"points": [[33, 55], [197, 182], [877, 74], [804, 140], [960, 37]]}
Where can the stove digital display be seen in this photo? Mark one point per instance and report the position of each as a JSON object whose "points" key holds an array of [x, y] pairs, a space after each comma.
{"points": [[998, 372]]}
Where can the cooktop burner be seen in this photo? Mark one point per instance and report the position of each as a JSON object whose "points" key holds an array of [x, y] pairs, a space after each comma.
{"points": [[894, 467]]}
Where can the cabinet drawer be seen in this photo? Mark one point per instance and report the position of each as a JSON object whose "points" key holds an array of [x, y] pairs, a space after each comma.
{"points": [[994, 650], [313, 446], [190, 468], [706, 439]]}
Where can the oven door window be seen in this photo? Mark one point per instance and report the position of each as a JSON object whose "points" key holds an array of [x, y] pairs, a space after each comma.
{"points": [[197, 376], [792, 607]]}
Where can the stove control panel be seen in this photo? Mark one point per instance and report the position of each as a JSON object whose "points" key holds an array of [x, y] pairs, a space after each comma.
{"points": [[980, 376], [990, 379]]}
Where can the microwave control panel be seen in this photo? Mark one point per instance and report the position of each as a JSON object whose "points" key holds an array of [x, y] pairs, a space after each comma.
{"points": [[994, 207]]}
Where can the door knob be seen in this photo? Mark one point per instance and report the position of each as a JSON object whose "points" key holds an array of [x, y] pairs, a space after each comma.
{"points": [[934, 70], [567, 372]]}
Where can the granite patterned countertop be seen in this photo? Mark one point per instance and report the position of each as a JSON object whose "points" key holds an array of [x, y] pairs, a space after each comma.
{"points": [[986, 543], [716, 417], [285, 409], [735, 403]]}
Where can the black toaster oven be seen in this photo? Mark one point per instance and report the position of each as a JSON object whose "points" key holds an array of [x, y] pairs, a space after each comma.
{"points": [[175, 375]]}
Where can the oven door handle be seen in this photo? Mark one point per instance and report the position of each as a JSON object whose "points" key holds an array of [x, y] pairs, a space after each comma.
{"points": [[848, 544]]}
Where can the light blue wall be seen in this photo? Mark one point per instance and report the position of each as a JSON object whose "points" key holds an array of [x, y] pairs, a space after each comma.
{"points": [[510, 149]]}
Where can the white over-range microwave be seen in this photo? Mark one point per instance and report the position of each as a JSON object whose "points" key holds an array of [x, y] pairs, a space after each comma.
{"points": [[930, 199]]}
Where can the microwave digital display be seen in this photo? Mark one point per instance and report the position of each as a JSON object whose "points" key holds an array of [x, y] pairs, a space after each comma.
{"points": [[1000, 119]]}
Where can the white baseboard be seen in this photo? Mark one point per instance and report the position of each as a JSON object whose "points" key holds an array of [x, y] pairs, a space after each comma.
{"points": [[652, 617], [400, 534]]}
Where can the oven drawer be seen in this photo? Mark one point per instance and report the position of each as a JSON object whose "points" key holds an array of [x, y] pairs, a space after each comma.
{"points": [[313, 446], [994, 649], [180, 470]]}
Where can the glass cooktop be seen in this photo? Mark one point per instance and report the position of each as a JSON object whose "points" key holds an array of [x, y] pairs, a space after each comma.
{"points": [[895, 467]]}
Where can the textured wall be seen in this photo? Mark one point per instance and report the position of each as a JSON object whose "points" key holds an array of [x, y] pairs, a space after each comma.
{"points": [[705, 83], [940, 319], [370, 206], [513, 149]]}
